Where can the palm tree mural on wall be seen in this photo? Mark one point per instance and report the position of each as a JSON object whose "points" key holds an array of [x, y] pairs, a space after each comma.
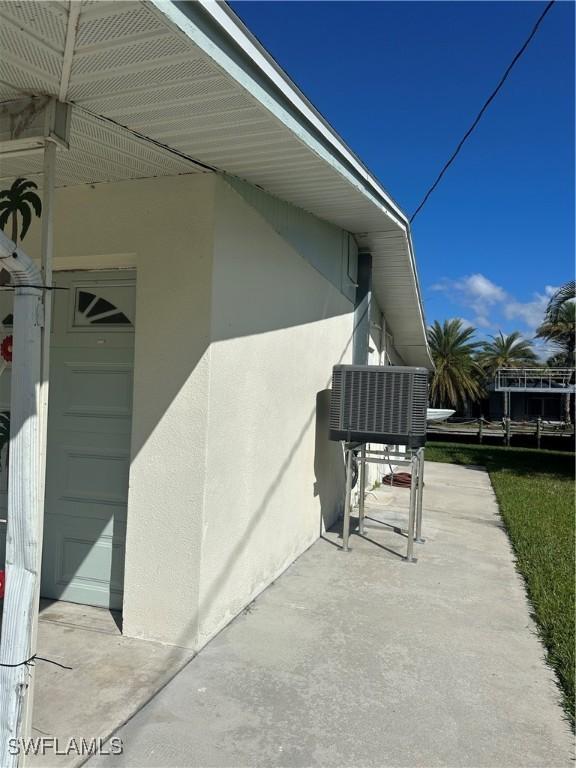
{"points": [[19, 201], [457, 377]]}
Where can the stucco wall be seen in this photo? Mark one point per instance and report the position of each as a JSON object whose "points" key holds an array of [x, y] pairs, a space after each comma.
{"points": [[273, 478], [232, 473], [164, 227]]}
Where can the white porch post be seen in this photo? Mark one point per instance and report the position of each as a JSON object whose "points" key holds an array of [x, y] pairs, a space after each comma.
{"points": [[45, 333], [25, 497]]}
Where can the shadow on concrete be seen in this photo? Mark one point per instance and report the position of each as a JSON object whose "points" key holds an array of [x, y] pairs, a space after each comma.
{"points": [[394, 528], [329, 468], [380, 546]]}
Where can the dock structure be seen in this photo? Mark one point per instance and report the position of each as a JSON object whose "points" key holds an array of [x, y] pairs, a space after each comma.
{"points": [[537, 380]]}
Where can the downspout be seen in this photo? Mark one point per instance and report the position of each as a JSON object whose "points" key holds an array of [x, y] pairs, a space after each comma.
{"points": [[383, 341], [361, 333], [361, 339], [23, 548]]}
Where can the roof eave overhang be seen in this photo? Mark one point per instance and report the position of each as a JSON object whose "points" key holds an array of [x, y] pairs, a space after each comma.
{"points": [[216, 30]]}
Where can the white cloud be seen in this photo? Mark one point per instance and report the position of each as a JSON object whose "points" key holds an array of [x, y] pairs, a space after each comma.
{"points": [[482, 321], [476, 292], [476, 287], [530, 312], [491, 303], [465, 322], [479, 287]]}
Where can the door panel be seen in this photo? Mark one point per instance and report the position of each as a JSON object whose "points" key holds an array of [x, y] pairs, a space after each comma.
{"points": [[89, 425]]}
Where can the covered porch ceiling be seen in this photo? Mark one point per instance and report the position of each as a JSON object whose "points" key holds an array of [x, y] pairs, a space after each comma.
{"points": [[162, 88]]}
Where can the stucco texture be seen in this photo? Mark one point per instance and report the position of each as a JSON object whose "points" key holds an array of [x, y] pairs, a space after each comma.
{"points": [[273, 480], [165, 228], [232, 473]]}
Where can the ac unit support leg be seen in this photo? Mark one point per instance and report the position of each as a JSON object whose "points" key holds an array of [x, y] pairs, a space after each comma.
{"points": [[419, 538], [348, 502], [412, 513], [361, 489]]}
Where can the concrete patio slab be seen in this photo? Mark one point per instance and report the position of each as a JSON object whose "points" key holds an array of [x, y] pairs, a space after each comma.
{"points": [[111, 676], [361, 659]]}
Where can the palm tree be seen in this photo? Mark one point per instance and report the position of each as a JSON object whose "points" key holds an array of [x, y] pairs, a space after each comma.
{"points": [[19, 200], [564, 295], [506, 351], [559, 328], [456, 378], [511, 351], [559, 325]]}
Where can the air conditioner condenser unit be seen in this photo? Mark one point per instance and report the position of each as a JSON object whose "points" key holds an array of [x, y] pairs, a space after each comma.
{"points": [[379, 404]]}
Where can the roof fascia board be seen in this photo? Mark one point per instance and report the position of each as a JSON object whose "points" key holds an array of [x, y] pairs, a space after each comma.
{"points": [[218, 34], [225, 16], [418, 292], [216, 30]]}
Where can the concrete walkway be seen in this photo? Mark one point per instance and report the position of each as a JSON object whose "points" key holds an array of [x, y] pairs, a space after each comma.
{"points": [[111, 677], [361, 659]]}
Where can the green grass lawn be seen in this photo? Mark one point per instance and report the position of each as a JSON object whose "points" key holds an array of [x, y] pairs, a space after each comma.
{"points": [[535, 492]]}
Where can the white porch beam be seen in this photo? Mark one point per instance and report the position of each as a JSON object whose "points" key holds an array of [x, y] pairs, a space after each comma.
{"points": [[71, 31], [26, 124], [46, 264]]}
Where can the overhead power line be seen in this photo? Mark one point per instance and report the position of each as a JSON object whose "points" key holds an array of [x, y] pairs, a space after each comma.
{"points": [[484, 108]]}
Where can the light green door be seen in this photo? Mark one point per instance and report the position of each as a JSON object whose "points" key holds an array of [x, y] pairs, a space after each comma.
{"points": [[89, 425]]}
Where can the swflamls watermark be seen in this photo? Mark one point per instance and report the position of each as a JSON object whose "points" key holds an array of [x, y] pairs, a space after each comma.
{"points": [[45, 745]]}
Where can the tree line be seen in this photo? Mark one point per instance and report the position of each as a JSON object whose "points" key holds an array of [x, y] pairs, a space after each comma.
{"points": [[465, 365]]}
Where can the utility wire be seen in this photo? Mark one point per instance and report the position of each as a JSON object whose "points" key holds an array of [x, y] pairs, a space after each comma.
{"points": [[484, 108]]}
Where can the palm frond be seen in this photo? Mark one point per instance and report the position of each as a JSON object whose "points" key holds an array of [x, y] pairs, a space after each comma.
{"points": [[5, 217], [457, 377], [24, 211], [506, 351], [564, 294], [33, 199], [20, 185], [560, 330]]}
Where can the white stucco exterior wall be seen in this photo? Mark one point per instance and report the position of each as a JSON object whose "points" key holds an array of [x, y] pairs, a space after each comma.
{"points": [[164, 227], [273, 477], [232, 473]]}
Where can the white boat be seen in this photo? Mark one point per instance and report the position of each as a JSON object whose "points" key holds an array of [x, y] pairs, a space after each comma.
{"points": [[438, 414]]}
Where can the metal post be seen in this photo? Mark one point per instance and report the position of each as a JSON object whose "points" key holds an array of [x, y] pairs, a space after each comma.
{"points": [[348, 501], [508, 431], [419, 538], [362, 488], [480, 430], [412, 511], [538, 431]]}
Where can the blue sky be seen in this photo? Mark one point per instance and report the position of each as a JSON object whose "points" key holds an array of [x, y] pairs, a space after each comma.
{"points": [[401, 82]]}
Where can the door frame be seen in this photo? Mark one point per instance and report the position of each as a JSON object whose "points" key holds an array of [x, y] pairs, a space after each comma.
{"points": [[104, 263]]}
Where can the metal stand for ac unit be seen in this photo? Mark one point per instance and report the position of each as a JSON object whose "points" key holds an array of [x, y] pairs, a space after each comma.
{"points": [[413, 458]]}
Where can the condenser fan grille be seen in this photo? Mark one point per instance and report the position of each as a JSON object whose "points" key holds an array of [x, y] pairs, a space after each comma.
{"points": [[379, 404]]}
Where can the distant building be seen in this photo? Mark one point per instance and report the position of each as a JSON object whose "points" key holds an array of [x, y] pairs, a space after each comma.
{"points": [[525, 394]]}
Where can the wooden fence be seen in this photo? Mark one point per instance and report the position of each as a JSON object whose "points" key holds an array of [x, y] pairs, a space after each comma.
{"points": [[481, 428]]}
